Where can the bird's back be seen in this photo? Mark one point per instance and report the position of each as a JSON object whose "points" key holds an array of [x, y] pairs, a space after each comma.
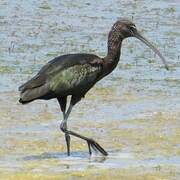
{"points": [[63, 75]]}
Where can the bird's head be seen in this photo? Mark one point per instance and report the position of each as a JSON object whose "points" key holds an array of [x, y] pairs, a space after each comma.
{"points": [[124, 28]]}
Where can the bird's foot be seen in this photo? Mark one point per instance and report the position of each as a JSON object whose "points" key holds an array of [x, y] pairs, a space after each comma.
{"points": [[91, 143], [96, 147]]}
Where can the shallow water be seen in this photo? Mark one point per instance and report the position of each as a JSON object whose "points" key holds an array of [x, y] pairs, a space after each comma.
{"points": [[133, 113]]}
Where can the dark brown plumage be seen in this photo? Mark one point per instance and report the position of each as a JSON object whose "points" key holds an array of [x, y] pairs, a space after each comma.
{"points": [[74, 74]]}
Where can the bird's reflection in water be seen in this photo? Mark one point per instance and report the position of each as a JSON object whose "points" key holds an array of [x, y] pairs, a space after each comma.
{"points": [[75, 156]]}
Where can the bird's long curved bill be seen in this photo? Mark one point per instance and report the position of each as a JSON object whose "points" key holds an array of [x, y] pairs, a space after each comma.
{"points": [[145, 41]]}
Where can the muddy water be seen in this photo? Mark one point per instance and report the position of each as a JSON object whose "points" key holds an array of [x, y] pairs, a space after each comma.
{"points": [[133, 113]]}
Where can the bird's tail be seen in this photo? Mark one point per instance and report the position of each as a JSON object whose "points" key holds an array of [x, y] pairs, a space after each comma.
{"points": [[31, 94], [24, 102]]}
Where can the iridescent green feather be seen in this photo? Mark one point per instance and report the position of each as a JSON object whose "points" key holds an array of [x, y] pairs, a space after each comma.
{"points": [[78, 76]]}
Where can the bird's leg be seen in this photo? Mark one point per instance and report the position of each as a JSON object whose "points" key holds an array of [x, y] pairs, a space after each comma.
{"points": [[62, 102], [90, 142], [63, 127]]}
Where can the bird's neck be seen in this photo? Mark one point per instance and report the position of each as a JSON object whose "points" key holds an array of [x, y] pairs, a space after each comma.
{"points": [[114, 52]]}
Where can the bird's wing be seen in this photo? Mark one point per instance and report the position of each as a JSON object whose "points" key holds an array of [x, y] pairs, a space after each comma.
{"points": [[56, 65], [66, 61], [52, 70], [35, 82], [75, 79]]}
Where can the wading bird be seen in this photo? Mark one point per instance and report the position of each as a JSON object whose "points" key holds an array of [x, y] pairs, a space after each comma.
{"points": [[75, 74]]}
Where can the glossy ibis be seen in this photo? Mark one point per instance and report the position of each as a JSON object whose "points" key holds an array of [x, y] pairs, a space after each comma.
{"points": [[75, 74]]}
